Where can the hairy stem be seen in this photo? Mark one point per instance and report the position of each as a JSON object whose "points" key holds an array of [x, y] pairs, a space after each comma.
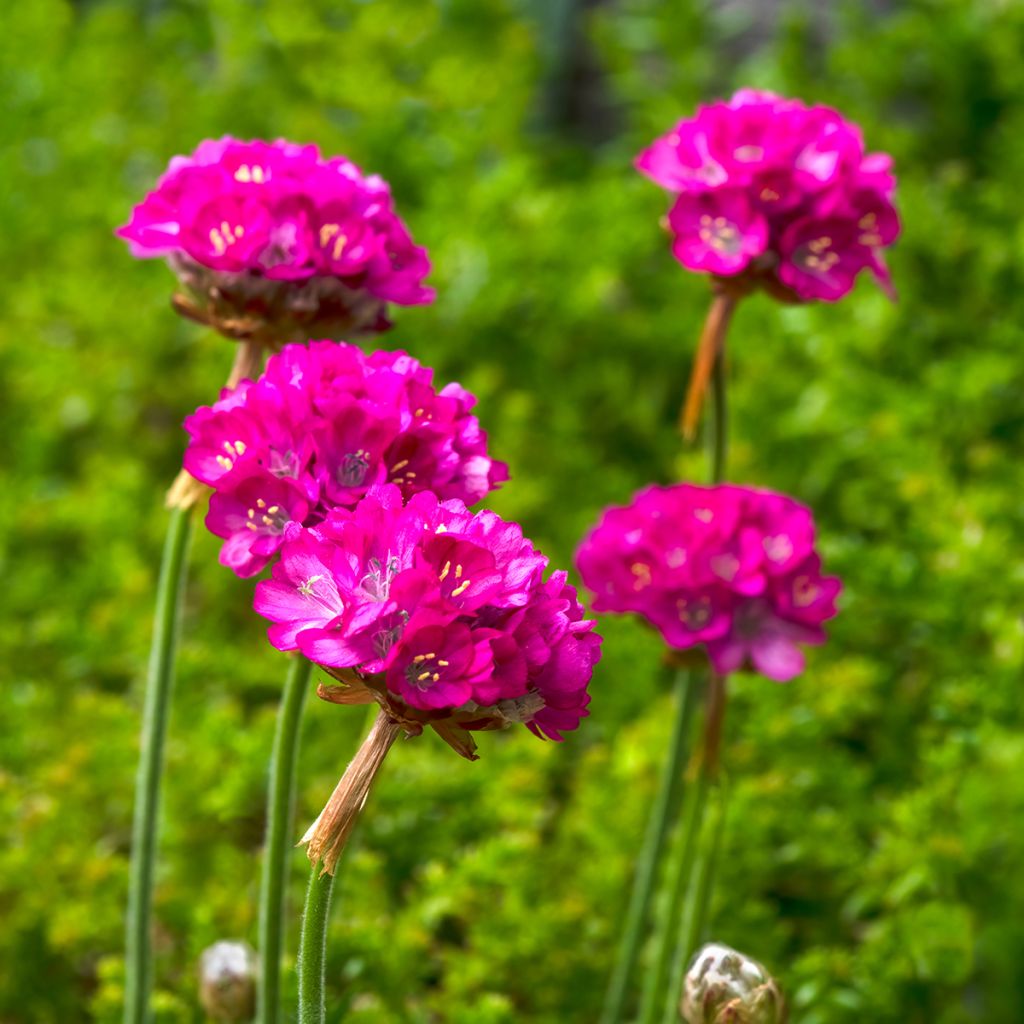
{"points": [[663, 813], [159, 684], [279, 843], [313, 947]]}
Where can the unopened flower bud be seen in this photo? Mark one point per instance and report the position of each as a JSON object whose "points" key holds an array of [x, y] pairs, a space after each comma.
{"points": [[227, 981], [726, 987]]}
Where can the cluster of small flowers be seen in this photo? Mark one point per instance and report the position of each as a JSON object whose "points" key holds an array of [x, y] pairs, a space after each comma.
{"points": [[731, 567], [779, 191], [280, 211], [322, 425], [442, 610]]}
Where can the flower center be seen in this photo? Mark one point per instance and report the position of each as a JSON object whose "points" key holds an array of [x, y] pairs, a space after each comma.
{"points": [[306, 587], [725, 566], [352, 471], [818, 256], [869, 236], [749, 153], [264, 518], [252, 173], [422, 672], [332, 236], [233, 449], [281, 464], [459, 587], [225, 236], [778, 549], [399, 476], [641, 575], [676, 558], [720, 234], [805, 591], [376, 584], [694, 614]]}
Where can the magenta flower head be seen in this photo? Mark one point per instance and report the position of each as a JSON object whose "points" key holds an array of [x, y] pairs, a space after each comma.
{"points": [[732, 568], [771, 192], [270, 241], [440, 615], [320, 427]]}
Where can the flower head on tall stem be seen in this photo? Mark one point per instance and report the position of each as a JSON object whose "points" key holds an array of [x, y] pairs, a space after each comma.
{"points": [[440, 615], [778, 193], [732, 568], [770, 193], [273, 242], [323, 425]]}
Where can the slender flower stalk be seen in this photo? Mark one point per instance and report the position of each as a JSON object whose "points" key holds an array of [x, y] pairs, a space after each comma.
{"points": [[690, 872], [689, 896], [159, 684], [709, 360], [678, 869], [183, 494], [694, 925], [313, 947], [663, 812], [280, 816]]}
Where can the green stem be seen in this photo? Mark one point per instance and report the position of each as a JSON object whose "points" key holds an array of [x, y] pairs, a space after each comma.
{"points": [[159, 683], [679, 868], [313, 948], [663, 813], [695, 924], [280, 816]]}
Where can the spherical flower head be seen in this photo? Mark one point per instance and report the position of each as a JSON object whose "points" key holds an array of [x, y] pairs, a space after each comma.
{"points": [[773, 193], [732, 568], [321, 426], [443, 614], [726, 987], [273, 242]]}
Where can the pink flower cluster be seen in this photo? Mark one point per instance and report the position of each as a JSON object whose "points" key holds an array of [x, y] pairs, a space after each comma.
{"points": [[323, 424], [783, 192], [445, 608], [280, 211], [731, 567]]}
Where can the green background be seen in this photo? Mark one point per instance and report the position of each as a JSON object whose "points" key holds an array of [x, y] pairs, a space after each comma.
{"points": [[874, 852]]}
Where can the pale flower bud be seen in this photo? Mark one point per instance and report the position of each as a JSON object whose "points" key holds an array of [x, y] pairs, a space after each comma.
{"points": [[227, 981], [726, 987]]}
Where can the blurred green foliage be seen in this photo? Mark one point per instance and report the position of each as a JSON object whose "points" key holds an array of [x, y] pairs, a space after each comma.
{"points": [[874, 854]]}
